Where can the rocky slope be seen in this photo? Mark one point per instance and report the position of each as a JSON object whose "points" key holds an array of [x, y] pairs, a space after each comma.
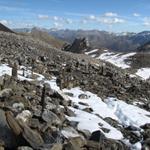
{"points": [[44, 36], [51, 99], [26, 50]]}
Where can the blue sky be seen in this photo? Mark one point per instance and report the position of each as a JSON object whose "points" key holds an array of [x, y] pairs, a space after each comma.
{"points": [[109, 15]]}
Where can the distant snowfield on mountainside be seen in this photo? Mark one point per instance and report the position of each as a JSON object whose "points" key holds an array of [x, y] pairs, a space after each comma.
{"points": [[116, 59], [125, 114], [120, 60]]}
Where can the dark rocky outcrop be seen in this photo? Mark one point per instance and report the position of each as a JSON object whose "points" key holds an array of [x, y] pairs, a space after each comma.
{"points": [[5, 29], [78, 46]]}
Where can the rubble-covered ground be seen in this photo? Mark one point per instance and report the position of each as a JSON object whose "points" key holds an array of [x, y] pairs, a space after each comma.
{"points": [[53, 100]]}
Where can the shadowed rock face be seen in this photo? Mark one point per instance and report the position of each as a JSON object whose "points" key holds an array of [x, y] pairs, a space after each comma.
{"points": [[5, 29], [78, 46]]}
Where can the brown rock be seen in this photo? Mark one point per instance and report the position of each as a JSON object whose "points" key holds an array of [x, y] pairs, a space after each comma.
{"points": [[93, 145], [57, 147], [71, 146], [32, 137], [81, 142], [88, 109], [50, 117], [2, 148], [24, 148], [13, 123]]}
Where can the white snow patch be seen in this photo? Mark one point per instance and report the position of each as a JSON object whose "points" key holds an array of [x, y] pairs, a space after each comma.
{"points": [[28, 74], [91, 122], [116, 59], [5, 69], [106, 50], [93, 55], [128, 114], [125, 114], [133, 76], [94, 102], [144, 73], [92, 51], [53, 84]]}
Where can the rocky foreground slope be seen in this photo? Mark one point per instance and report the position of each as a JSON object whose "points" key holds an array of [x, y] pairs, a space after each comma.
{"points": [[51, 99]]}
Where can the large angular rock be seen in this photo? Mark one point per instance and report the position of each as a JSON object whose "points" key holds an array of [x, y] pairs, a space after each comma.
{"points": [[97, 136], [99, 141], [32, 137], [50, 117], [78, 46], [69, 132], [6, 134], [13, 124]]}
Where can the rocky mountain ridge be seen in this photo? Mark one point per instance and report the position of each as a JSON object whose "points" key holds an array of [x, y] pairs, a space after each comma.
{"points": [[122, 42], [103, 39]]}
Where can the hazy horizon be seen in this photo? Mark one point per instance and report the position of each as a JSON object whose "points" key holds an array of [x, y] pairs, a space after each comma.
{"points": [[109, 15]]}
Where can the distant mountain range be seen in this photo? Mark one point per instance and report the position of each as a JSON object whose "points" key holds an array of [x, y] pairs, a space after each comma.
{"points": [[124, 42], [102, 39]]}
